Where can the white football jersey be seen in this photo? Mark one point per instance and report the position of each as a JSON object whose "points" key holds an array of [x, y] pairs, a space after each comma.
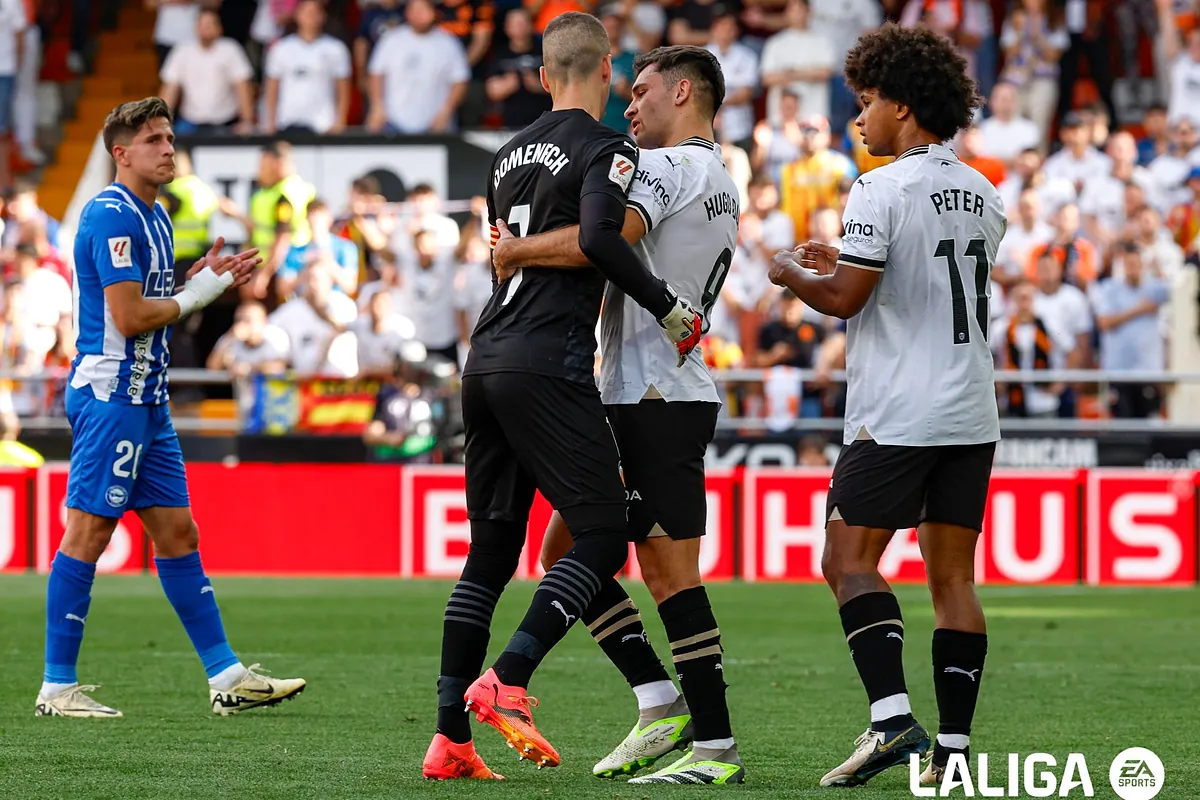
{"points": [[689, 205], [918, 365]]}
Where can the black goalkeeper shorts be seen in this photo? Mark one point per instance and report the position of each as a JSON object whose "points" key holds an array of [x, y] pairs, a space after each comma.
{"points": [[527, 432]]}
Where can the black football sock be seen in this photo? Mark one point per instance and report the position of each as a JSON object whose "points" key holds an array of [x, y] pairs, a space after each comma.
{"points": [[616, 625], [696, 651], [466, 627], [957, 672], [875, 632], [561, 597]]}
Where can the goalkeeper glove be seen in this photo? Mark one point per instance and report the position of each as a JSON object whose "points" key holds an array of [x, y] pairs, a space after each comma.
{"points": [[203, 288], [683, 326]]}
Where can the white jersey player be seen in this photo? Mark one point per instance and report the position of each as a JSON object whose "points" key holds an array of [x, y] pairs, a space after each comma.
{"points": [[921, 235], [689, 207], [930, 225], [682, 217]]}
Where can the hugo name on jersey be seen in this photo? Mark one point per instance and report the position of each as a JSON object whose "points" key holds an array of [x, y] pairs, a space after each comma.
{"points": [[918, 365], [689, 205], [120, 238]]}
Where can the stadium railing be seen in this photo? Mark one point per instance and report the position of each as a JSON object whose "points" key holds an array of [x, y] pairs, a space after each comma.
{"points": [[1097, 378]]}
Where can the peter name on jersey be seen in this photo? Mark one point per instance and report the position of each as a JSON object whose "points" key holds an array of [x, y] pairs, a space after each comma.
{"points": [[957, 200], [549, 155]]}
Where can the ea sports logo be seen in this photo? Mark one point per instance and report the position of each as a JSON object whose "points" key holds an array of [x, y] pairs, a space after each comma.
{"points": [[1136, 774]]}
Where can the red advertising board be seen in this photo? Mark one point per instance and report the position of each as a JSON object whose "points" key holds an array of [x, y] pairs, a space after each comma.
{"points": [[126, 551], [783, 529], [1141, 527], [1103, 526], [15, 518], [436, 533], [298, 519], [1031, 531]]}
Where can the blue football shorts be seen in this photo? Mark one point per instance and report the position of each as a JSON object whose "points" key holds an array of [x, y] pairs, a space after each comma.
{"points": [[123, 457]]}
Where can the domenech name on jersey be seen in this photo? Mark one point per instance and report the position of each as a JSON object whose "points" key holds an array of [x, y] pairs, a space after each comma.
{"points": [[545, 153]]}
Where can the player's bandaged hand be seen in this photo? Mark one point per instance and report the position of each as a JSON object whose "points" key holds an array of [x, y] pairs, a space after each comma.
{"points": [[202, 289], [684, 328]]}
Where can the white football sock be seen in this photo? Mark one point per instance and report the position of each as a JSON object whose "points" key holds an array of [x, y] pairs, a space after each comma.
{"points": [[719, 745], [227, 678], [657, 693], [50, 690], [890, 707], [954, 741]]}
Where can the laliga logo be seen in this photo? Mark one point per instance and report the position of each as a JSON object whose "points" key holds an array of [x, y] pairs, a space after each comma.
{"points": [[1135, 774]]}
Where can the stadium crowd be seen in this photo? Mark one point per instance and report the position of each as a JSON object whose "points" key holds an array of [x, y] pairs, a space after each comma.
{"points": [[1104, 212]]}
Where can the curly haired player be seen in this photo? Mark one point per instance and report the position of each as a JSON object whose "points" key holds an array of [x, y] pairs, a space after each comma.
{"points": [[921, 420]]}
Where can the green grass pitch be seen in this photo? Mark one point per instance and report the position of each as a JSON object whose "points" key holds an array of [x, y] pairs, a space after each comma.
{"points": [[1069, 670]]}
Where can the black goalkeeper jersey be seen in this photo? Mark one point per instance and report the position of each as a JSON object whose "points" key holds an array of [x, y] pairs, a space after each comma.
{"points": [[543, 320]]}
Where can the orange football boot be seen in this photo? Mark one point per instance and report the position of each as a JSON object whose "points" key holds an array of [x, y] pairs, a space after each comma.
{"points": [[507, 709], [445, 760]]}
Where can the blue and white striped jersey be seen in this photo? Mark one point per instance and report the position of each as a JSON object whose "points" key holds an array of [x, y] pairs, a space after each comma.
{"points": [[120, 238]]}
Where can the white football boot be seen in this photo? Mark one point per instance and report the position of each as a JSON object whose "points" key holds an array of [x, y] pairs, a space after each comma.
{"points": [[253, 691], [73, 702], [645, 745]]}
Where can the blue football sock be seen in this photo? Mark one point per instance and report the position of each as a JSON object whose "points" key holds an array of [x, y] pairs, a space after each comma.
{"points": [[68, 596], [191, 595]]}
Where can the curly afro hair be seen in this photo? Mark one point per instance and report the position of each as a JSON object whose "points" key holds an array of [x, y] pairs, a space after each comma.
{"points": [[920, 69]]}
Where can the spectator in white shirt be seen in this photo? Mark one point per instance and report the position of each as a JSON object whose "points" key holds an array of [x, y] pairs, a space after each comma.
{"points": [[427, 280], [780, 142], [1026, 230], [1078, 160], [25, 96], [380, 333], [44, 305], [12, 23], [1027, 172], [252, 344], [1184, 97], [315, 323], [841, 22], [799, 60], [1005, 134], [174, 24], [425, 215], [1102, 201], [1067, 314], [213, 75], [739, 64], [1161, 255], [1034, 38], [472, 285], [419, 75], [307, 83], [1170, 169]]}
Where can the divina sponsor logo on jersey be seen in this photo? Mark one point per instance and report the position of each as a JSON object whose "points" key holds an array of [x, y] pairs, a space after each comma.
{"points": [[548, 155], [1135, 774], [856, 228], [721, 203], [655, 185]]}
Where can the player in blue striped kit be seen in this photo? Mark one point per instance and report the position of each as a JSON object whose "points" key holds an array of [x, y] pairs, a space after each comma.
{"points": [[126, 453]]}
